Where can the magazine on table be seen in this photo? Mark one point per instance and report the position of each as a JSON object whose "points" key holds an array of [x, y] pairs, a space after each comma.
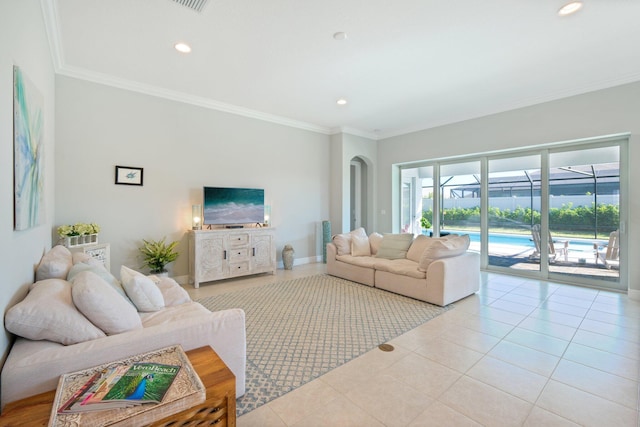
{"points": [[122, 387]]}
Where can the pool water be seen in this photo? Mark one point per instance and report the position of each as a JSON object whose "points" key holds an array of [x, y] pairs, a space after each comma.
{"points": [[577, 245]]}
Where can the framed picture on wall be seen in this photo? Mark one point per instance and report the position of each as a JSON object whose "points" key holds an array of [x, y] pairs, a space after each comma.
{"points": [[127, 175]]}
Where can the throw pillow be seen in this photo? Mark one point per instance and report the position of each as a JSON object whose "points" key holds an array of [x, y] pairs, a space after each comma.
{"points": [[141, 290], [55, 264], [374, 241], [394, 246], [444, 248], [420, 243], [97, 267], [343, 241], [48, 313], [360, 246], [172, 292], [102, 304]]}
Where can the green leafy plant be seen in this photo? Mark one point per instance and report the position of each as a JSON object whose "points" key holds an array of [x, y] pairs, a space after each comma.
{"points": [[156, 254], [78, 229]]}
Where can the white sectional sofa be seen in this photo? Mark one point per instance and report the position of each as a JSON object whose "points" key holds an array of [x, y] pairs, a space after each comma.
{"points": [[68, 325], [436, 270]]}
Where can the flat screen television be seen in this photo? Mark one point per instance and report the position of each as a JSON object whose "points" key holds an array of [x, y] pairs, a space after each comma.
{"points": [[226, 206]]}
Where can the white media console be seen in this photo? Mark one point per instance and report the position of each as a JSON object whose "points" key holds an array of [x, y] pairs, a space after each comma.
{"points": [[223, 253]]}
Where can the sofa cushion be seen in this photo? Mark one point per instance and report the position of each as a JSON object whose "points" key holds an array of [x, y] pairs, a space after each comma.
{"points": [[172, 292], [443, 248], [102, 304], [141, 290], [48, 313], [374, 242], [360, 246], [343, 241], [360, 261], [394, 246], [420, 243], [97, 268], [402, 267], [55, 264]]}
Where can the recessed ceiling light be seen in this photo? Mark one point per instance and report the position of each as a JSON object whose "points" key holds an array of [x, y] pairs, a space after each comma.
{"points": [[341, 101], [182, 47], [570, 8], [340, 35]]}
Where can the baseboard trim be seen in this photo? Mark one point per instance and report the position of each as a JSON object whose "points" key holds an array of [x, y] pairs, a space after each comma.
{"points": [[634, 294]]}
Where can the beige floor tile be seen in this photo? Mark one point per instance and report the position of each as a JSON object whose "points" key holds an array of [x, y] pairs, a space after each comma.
{"points": [[564, 308], [614, 319], [525, 357], [557, 317], [299, 403], [415, 338], [486, 326], [617, 331], [542, 418], [605, 361], [424, 375], [469, 338], [613, 345], [339, 412], [449, 354], [440, 415], [509, 378], [537, 341], [522, 299], [485, 404], [600, 383], [261, 417], [503, 316], [578, 302], [390, 401], [585, 408], [555, 330], [513, 307]]}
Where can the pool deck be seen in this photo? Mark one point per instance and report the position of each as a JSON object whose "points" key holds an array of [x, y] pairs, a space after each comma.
{"points": [[519, 257]]}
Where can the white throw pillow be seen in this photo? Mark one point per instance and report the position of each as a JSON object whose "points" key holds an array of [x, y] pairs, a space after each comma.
{"points": [[360, 246], [420, 243], [48, 313], [172, 292], [100, 270], [141, 290], [343, 241], [394, 246], [375, 239], [55, 264], [101, 304], [443, 248]]}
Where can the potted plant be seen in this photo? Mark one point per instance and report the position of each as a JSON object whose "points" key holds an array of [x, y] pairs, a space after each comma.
{"points": [[156, 254]]}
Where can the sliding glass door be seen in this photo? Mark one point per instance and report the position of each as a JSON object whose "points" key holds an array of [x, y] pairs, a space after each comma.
{"points": [[551, 213]]}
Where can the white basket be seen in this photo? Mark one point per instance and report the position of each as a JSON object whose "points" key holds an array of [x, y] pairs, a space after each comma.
{"points": [[75, 241]]}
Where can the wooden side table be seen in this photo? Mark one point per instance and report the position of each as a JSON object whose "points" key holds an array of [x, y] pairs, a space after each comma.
{"points": [[218, 409]]}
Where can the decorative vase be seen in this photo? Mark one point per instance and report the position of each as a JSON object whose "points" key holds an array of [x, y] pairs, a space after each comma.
{"points": [[287, 257], [85, 239], [326, 238]]}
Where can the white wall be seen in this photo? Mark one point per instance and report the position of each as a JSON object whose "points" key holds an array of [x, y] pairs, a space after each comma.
{"points": [[604, 112], [181, 148], [23, 42], [345, 147]]}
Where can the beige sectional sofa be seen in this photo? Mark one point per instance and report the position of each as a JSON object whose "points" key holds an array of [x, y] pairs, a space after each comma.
{"points": [[436, 270], [77, 315]]}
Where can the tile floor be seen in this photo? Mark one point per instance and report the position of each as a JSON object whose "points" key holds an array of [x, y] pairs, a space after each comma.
{"points": [[521, 352]]}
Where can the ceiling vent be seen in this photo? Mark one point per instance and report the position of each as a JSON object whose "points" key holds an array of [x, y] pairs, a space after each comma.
{"points": [[196, 5]]}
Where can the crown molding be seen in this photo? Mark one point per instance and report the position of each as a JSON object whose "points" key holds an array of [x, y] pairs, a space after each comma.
{"points": [[355, 132]]}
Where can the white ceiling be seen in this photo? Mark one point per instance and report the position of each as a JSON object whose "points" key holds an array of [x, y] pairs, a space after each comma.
{"points": [[406, 64]]}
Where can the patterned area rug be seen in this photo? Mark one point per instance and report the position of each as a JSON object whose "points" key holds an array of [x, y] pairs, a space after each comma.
{"points": [[300, 329]]}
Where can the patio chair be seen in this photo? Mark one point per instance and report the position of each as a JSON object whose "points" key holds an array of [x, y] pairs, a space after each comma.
{"points": [[610, 253], [554, 252]]}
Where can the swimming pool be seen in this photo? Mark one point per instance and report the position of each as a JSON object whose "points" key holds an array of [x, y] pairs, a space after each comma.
{"points": [[578, 245]]}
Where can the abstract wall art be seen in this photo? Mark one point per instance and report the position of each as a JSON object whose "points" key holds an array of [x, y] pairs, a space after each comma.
{"points": [[28, 153]]}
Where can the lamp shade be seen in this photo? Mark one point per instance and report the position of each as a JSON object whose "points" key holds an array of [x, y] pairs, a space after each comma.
{"points": [[196, 217]]}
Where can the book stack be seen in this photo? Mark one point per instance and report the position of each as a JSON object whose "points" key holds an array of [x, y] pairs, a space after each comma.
{"points": [[122, 386]]}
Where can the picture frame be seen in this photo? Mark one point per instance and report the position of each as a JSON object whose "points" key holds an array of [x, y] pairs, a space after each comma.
{"points": [[129, 175]]}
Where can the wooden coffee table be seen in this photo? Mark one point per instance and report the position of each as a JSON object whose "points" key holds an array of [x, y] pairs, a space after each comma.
{"points": [[219, 408]]}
